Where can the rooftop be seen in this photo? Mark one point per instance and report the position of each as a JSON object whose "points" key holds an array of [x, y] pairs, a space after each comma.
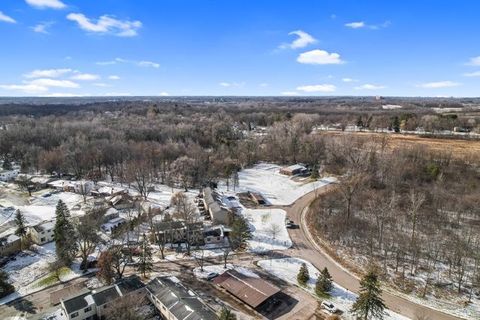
{"points": [[252, 291], [44, 226], [181, 301]]}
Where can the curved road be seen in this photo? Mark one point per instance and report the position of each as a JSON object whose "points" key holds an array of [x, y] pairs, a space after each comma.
{"points": [[307, 249]]}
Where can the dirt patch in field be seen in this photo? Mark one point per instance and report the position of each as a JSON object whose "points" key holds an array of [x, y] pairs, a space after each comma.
{"points": [[457, 147]]}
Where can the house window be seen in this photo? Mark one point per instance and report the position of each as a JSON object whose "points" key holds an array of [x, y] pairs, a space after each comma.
{"points": [[105, 306], [42, 239], [87, 309], [74, 315]]}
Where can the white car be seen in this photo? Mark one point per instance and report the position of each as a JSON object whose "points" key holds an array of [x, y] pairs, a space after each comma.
{"points": [[330, 307]]}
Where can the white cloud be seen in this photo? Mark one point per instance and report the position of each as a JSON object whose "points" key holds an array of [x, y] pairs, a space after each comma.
{"points": [[475, 61], [349, 80], [472, 74], [439, 84], [362, 24], [264, 85], [42, 27], [148, 64], [303, 40], [117, 94], [317, 88], [106, 25], [355, 25], [231, 84], [369, 86], [319, 57], [44, 82], [5, 18], [141, 63], [164, 94], [85, 77], [101, 84], [26, 88], [290, 93], [65, 95], [114, 77], [47, 73], [43, 4]]}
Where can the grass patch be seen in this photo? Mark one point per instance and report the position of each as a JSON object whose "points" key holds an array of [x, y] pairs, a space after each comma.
{"points": [[52, 278]]}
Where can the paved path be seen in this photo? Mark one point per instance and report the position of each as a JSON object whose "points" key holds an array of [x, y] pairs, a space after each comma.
{"points": [[306, 249]]}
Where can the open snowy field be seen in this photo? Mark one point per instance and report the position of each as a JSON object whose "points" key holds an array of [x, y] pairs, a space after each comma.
{"points": [[268, 229], [278, 189], [287, 269]]}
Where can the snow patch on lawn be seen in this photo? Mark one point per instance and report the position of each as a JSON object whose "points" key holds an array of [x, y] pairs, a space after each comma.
{"points": [[262, 222], [276, 188], [287, 269], [219, 268]]}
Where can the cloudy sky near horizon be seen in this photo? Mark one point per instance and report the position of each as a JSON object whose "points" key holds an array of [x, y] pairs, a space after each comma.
{"points": [[239, 47]]}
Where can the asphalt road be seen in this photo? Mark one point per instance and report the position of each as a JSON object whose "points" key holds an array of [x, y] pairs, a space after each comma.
{"points": [[306, 248]]}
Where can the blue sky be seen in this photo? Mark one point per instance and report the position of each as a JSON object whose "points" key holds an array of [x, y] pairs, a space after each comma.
{"points": [[239, 47]]}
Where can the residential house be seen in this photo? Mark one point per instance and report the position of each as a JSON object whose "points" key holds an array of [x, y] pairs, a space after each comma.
{"points": [[104, 190], [219, 213], [253, 291], [214, 235], [62, 185], [83, 187], [98, 303], [180, 232], [39, 182], [121, 201], [42, 232], [113, 225], [174, 301], [294, 170], [10, 244], [7, 175]]}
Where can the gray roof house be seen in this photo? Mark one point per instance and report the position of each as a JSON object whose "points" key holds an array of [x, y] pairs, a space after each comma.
{"points": [[96, 304], [219, 213], [176, 302]]}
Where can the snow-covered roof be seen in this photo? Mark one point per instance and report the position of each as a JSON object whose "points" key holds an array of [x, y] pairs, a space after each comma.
{"points": [[9, 239], [60, 184], [40, 180], [43, 226], [295, 167]]}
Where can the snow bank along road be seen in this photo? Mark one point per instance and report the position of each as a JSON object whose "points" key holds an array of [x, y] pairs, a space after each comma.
{"points": [[310, 251]]}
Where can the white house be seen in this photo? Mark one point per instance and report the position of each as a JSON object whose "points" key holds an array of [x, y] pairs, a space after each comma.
{"points": [[7, 175], [42, 233], [113, 224]]}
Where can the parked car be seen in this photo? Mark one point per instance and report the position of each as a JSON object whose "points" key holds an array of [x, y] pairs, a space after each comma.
{"points": [[211, 276], [290, 224], [329, 307]]}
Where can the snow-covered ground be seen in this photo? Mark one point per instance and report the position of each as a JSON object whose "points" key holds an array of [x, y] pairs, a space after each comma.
{"points": [[263, 224], [218, 268], [287, 269], [29, 268], [276, 188]]}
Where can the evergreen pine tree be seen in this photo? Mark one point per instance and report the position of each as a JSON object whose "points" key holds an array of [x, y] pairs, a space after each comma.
{"points": [[324, 283], [20, 222], [303, 276], [314, 174], [240, 234], [226, 314], [145, 264], [369, 304], [64, 234], [5, 287]]}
